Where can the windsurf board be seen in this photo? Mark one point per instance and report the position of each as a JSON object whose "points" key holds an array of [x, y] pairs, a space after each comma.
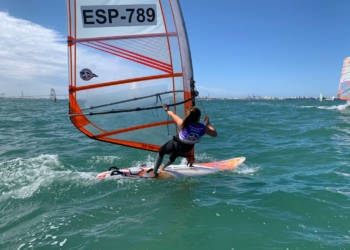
{"points": [[173, 171]]}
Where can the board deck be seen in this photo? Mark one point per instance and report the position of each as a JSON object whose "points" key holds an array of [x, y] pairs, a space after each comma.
{"points": [[173, 171]]}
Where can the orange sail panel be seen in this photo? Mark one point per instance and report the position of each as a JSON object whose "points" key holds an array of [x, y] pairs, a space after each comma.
{"points": [[126, 59], [344, 84]]}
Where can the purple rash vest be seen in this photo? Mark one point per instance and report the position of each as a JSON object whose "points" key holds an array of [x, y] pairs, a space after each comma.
{"points": [[192, 134]]}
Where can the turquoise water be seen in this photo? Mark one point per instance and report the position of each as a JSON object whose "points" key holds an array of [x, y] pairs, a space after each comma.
{"points": [[292, 192]]}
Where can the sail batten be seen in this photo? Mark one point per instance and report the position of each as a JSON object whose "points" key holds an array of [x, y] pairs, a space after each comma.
{"points": [[132, 80], [130, 100], [134, 128], [130, 110], [124, 65], [72, 40]]}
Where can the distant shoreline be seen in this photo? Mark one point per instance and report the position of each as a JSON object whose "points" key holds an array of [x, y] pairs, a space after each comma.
{"points": [[28, 98], [266, 99], [201, 98]]}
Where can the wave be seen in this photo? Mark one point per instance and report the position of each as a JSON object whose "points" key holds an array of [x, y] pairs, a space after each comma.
{"points": [[21, 178]]}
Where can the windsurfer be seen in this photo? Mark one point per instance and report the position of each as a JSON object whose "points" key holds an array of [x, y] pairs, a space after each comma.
{"points": [[191, 132]]}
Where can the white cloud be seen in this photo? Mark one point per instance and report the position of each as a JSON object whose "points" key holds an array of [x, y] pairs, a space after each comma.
{"points": [[33, 59]]}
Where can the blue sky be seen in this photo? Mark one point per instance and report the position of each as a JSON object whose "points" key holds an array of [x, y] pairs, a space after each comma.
{"points": [[281, 48]]}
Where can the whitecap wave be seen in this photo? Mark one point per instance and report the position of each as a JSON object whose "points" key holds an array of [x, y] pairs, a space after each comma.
{"points": [[247, 170], [21, 178], [334, 107]]}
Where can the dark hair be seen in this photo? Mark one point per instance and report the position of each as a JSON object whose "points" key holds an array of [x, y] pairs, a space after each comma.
{"points": [[192, 117]]}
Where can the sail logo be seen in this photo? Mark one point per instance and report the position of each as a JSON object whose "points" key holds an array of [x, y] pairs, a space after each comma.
{"points": [[100, 16], [87, 74]]}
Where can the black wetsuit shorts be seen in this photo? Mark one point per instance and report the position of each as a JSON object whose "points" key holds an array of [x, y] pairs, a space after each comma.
{"points": [[176, 148]]}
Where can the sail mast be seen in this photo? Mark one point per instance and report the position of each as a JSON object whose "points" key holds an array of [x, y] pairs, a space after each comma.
{"points": [[188, 77]]}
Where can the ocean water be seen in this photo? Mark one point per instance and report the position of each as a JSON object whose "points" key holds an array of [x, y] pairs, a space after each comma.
{"points": [[293, 191]]}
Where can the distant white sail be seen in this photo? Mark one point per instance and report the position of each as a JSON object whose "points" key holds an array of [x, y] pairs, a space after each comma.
{"points": [[53, 95], [344, 84]]}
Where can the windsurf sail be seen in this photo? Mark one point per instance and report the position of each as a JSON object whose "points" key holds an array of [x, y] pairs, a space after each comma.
{"points": [[344, 84], [127, 58], [53, 95], [321, 97]]}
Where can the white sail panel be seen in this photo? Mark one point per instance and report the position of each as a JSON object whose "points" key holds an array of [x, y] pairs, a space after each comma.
{"points": [[108, 18], [345, 74], [53, 95], [184, 45], [121, 72]]}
